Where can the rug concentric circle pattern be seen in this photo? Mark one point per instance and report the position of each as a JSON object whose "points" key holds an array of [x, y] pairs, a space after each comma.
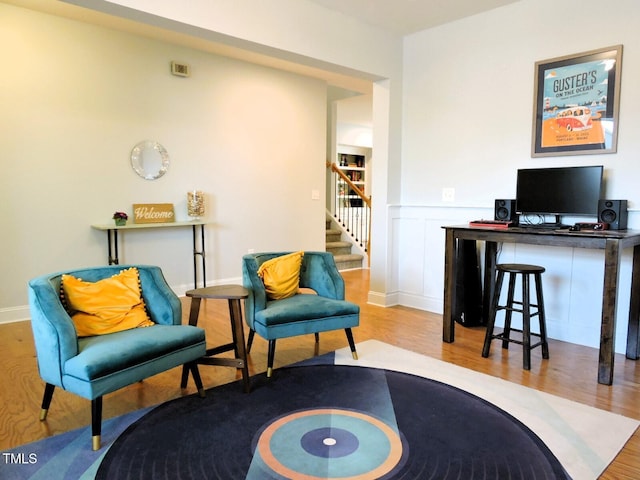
{"points": [[330, 421], [359, 446]]}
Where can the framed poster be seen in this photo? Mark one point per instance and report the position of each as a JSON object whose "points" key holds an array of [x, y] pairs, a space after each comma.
{"points": [[575, 103]]}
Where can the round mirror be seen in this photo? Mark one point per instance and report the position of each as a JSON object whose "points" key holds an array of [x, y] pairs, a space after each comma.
{"points": [[149, 159]]}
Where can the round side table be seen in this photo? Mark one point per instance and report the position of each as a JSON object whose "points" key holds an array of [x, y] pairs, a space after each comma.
{"points": [[234, 294]]}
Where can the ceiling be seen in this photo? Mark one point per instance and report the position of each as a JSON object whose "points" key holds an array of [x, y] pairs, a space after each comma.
{"points": [[409, 16]]}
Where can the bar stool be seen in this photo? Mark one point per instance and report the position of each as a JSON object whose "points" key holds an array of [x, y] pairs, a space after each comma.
{"points": [[514, 269]]}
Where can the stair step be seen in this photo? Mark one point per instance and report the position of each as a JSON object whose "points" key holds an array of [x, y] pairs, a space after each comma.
{"points": [[338, 244], [346, 262], [333, 235], [338, 248], [341, 250]]}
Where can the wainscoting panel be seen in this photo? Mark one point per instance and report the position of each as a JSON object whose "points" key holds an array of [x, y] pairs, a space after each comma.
{"points": [[572, 283]]}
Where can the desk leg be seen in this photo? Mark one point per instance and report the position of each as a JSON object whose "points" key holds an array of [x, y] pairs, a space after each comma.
{"points": [[202, 257], [201, 253], [193, 320], [195, 254], [448, 326], [112, 247], [237, 330], [489, 282], [608, 327], [633, 332]]}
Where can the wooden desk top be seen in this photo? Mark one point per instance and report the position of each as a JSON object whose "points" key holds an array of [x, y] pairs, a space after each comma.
{"points": [[550, 231], [543, 236]]}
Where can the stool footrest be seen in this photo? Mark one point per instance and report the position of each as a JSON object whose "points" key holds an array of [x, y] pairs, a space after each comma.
{"points": [[519, 310], [500, 336]]}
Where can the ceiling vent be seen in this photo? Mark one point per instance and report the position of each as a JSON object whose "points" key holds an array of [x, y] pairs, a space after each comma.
{"points": [[180, 69]]}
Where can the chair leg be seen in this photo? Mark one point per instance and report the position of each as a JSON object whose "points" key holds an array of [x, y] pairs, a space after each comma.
{"points": [[96, 422], [193, 367], [352, 344], [270, 357], [185, 376], [317, 335], [46, 401], [252, 333]]}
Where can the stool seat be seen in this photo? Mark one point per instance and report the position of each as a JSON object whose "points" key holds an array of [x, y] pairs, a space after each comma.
{"points": [[525, 271], [520, 268]]}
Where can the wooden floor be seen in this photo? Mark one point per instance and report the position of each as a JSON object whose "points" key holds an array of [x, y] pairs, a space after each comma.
{"points": [[571, 371]]}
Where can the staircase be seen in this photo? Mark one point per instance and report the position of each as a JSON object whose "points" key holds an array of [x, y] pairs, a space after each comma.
{"points": [[341, 250]]}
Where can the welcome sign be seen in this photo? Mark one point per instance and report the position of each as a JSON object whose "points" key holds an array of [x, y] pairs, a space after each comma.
{"points": [[153, 213]]}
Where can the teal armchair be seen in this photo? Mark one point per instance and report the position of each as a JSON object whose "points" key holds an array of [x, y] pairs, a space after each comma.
{"points": [[93, 366], [302, 313]]}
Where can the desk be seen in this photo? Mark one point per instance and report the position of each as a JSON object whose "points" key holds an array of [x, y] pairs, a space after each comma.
{"points": [[234, 294], [112, 242], [613, 242]]}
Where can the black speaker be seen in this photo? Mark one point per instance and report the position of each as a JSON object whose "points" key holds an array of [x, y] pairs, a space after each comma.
{"points": [[467, 310], [613, 212], [505, 211]]}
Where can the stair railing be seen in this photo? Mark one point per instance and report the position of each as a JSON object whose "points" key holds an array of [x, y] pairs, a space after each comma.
{"points": [[352, 208]]}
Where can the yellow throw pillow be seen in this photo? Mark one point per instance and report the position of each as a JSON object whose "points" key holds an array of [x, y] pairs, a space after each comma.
{"points": [[106, 306], [281, 275]]}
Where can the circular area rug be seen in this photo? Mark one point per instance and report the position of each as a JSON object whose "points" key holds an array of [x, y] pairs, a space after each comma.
{"points": [[328, 421]]}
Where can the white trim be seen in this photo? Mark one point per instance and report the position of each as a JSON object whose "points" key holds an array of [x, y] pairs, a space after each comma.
{"points": [[14, 314], [382, 300]]}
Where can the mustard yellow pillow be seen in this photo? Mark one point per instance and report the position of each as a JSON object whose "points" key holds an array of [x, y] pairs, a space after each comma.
{"points": [[106, 306], [281, 275]]}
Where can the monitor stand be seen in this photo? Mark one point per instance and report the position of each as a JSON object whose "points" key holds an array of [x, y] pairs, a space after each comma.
{"points": [[551, 226]]}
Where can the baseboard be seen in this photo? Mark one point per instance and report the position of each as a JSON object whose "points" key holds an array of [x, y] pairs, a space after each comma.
{"points": [[382, 299], [14, 314], [180, 290], [405, 299], [428, 304]]}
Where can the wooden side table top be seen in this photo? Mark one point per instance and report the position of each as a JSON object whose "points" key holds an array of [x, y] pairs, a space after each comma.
{"points": [[230, 292]]}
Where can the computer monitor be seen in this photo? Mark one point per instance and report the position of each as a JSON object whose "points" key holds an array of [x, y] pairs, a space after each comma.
{"points": [[559, 191]]}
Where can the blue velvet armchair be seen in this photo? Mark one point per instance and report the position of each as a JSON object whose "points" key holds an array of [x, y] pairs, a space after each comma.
{"points": [[93, 366], [302, 313]]}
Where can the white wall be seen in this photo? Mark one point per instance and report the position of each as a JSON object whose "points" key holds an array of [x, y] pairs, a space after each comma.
{"points": [[469, 97], [354, 121], [467, 114], [304, 32], [76, 98], [72, 117]]}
